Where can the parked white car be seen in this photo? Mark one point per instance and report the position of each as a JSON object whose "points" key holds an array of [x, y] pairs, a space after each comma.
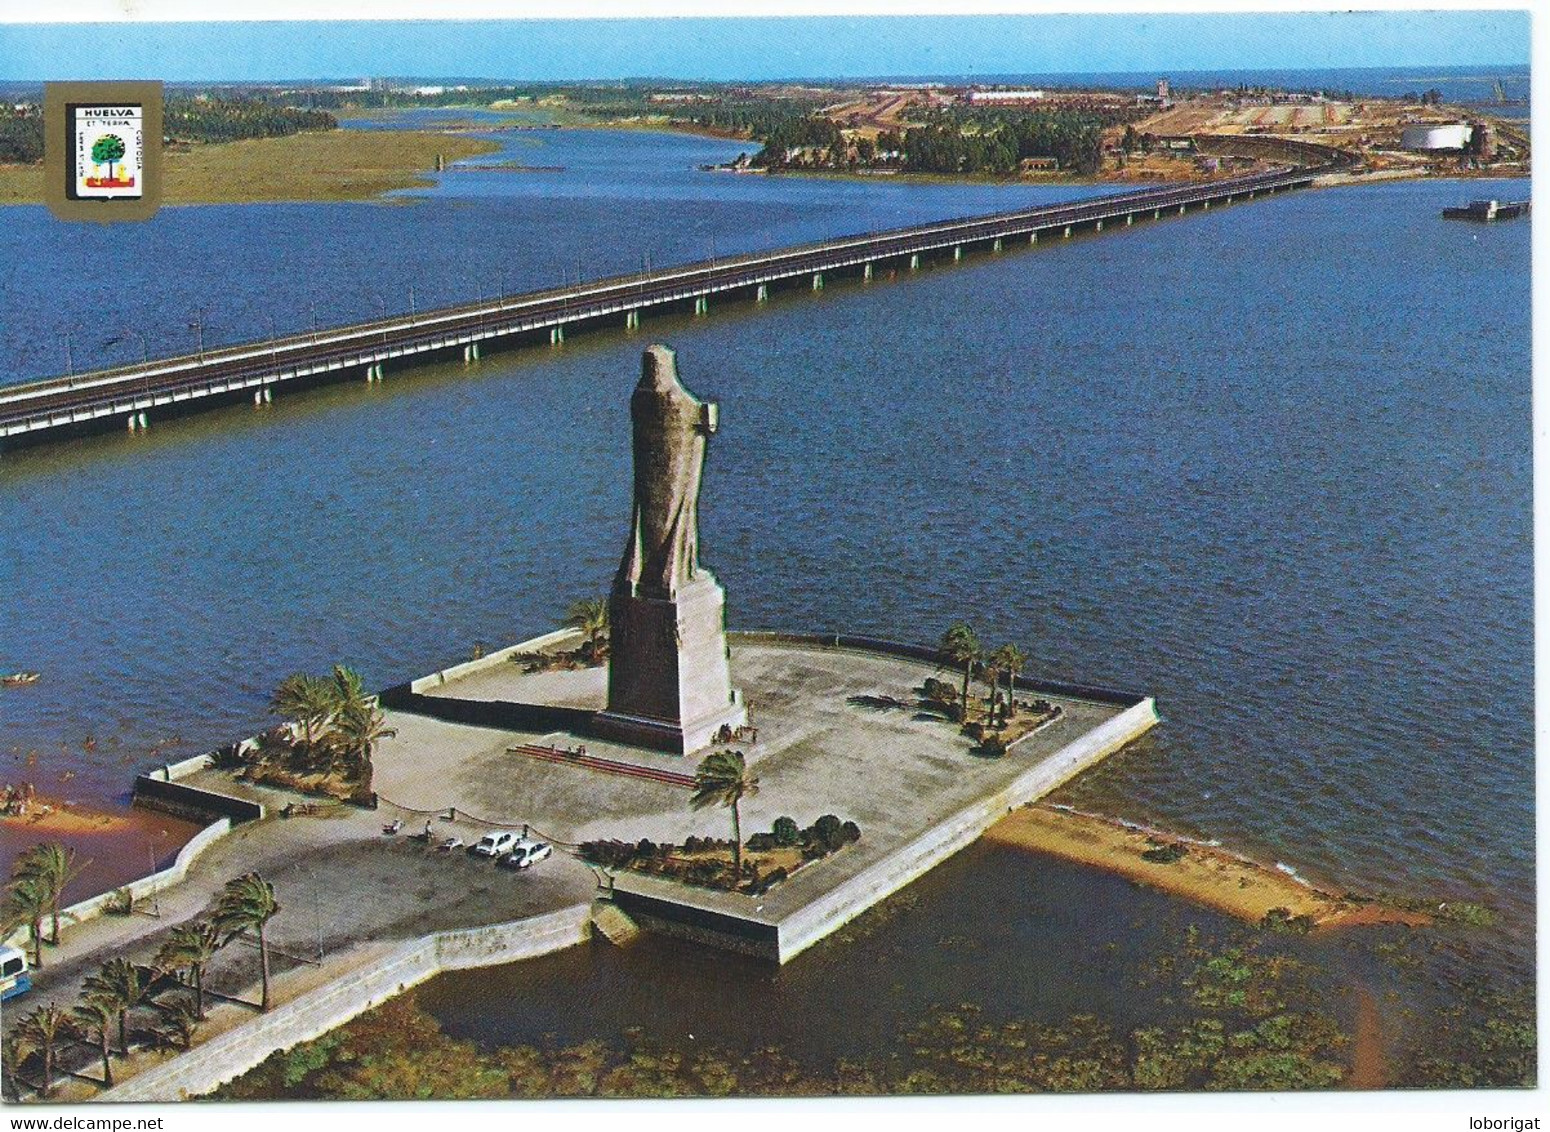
{"points": [[526, 853], [451, 843], [495, 844]]}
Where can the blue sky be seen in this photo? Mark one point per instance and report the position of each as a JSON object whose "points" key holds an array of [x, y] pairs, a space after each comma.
{"points": [[746, 48]]}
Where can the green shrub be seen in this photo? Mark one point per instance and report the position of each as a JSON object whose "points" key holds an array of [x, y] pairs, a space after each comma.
{"points": [[1282, 920], [993, 746], [786, 831], [829, 832], [121, 903], [761, 842], [852, 832], [1166, 854]]}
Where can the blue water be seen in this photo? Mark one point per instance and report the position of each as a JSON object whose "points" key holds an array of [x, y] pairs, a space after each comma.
{"points": [[625, 200], [1270, 463]]}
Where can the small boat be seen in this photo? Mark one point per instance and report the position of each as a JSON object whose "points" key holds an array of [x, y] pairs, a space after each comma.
{"points": [[1487, 210], [17, 679]]}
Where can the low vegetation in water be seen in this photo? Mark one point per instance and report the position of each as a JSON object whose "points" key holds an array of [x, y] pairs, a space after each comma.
{"points": [[1244, 1016]]}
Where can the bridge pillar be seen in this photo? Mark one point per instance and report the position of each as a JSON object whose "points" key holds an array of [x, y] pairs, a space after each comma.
{"points": [[915, 262], [763, 295], [1098, 227], [1033, 237], [701, 307], [995, 247], [1251, 194], [866, 273], [1205, 204], [1156, 214], [818, 281], [957, 253], [632, 320], [144, 423], [1130, 218], [1181, 210], [475, 348], [258, 396], [468, 354], [268, 397], [557, 336], [133, 423], [1067, 234]]}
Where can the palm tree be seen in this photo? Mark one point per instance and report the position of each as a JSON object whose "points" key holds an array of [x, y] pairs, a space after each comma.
{"points": [[961, 646], [357, 728], [10, 1053], [96, 1016], [248, 904], [723, 779], [43, 1030], [180, 1023], [590, 615], [348, 688], [305, 700], [190, 947], [1012, 661], [26, 902], [53, 867], [990, 672], [121, 986]]}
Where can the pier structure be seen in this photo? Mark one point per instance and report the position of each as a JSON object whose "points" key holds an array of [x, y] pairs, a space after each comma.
{"points": [[132, 397]]}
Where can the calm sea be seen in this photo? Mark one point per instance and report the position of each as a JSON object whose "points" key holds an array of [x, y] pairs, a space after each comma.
{"points": [[1270, 464]]}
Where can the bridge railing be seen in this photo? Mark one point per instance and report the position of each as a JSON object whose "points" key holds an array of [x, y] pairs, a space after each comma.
{"points": [[106, 391]]}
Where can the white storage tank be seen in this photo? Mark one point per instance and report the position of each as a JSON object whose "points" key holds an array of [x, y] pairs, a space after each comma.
{"points": [[1435, 137]]}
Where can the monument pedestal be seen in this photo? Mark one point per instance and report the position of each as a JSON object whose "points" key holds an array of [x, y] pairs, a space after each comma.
{"points": [[669, 683]]}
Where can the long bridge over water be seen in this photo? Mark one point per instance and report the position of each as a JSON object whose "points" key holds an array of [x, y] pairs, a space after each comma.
{"points": [[131, 396]]}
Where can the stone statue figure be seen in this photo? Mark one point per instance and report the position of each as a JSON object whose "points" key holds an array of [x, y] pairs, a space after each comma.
{"points": [[670, 428], [669, 671]]}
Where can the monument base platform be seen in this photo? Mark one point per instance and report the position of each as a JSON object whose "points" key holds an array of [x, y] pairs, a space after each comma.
{"points": [[669, 681], [668, 735]]}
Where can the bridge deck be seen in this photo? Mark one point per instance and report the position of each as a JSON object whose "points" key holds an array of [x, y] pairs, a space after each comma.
{"points": [[107, 397]]}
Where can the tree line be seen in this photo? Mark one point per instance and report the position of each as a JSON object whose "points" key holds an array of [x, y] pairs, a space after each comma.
{"points": [[206, 120], [170, 989]]}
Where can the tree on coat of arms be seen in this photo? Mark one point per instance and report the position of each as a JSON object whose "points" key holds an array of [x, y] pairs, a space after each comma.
{"points": [[106, 150]]}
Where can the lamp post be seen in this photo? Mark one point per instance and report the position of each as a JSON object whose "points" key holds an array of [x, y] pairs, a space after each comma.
{"points": [[198, 327]]}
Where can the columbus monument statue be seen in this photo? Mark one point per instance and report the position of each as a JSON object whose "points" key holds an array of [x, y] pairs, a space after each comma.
{"points": [[669, 685]]}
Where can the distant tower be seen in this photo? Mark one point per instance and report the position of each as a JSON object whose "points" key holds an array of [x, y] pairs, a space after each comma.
{"points": [[1162, 90], [1484, 139]]}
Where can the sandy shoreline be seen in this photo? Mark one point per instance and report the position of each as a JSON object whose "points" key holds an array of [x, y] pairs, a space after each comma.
{"points": [[1206, 874]]}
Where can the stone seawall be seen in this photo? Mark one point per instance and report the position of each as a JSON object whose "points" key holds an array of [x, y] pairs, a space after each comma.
{"points": [[230, 1054], [139, 889], [839, 906]]}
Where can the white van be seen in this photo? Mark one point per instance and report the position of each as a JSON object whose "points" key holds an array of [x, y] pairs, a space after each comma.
{"points": [[14, 979]]}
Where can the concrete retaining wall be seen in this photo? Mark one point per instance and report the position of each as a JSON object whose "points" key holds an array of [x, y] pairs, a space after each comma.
{"points": [[492, 660], [229, 1055], [190, 801], [96, 906], [837, 907]]}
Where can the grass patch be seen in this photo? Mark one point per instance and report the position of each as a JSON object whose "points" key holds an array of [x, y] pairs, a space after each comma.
{"points": [[335, 165]]}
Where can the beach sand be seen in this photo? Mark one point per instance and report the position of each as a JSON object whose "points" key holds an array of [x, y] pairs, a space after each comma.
{"points": [[1208, 875]]}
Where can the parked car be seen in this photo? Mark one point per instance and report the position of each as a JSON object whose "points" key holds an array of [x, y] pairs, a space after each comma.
{"points": [[526, 853], [451, 843], [495, 844]]}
